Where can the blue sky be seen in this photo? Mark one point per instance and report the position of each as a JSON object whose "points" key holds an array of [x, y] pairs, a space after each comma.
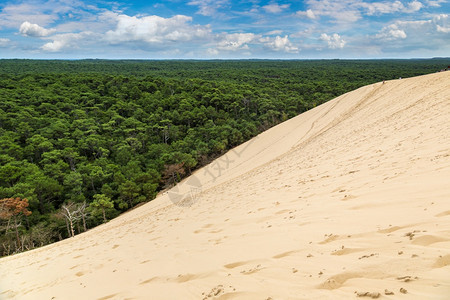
{"points": [[220, 29]]}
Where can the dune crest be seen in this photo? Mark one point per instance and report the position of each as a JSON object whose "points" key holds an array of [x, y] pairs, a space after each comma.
{"points": [[348, 199]]}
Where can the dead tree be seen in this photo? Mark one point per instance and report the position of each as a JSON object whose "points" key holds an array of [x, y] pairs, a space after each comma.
{"points": [[11, 208], [72, 213]]}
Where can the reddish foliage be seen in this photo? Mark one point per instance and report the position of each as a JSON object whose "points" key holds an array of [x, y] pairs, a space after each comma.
{"points": [[13, 206], [171, 171]]}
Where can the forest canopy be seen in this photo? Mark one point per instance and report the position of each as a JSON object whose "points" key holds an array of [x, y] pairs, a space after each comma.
{"points": [[83, 141]]}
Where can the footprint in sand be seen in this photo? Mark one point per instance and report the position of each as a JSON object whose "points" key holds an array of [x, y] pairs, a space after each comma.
{"points": [[346, 251], [203, 227], [368, 256], [330, 238], [281, 255], [186, 277], [252, 270], [348, 197], [407, 278], [391, 229], [219, 291], [107, 297], [373, 295], [245, 271], [442, 261], [148, 280], [426, 240], [282, 211], [6, 292], [79, 274], [236, 264], [443, 214], [338, 280]]}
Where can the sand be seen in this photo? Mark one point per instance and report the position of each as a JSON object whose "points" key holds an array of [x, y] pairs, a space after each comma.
{"points": [[350, 199]]}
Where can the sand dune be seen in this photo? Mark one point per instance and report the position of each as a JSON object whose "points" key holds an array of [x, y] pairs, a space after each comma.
{"points": [[350, 199]]}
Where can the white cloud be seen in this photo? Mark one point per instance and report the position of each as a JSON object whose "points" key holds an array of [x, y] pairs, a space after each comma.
{"points": [[383, 7], [343, 11], [275, 8], [308, 14], [213, 52], [442, 29], [414, 6], [28, 29], [281, 44], [67, 40], [12, 15], [436, 3], [44, 12], [378, 8], [350, 11], [54, 46], [246, 43], [397, 34], [419, 38], [415, 31], [5, 42], [391, 32], [275, 32], [441, 22], [208, 7], [235, 41], [155, 30], [97, 21], [334, 41], [306, 33]]}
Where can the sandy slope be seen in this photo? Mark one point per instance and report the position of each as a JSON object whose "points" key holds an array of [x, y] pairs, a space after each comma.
{"points": [[352, 196]]}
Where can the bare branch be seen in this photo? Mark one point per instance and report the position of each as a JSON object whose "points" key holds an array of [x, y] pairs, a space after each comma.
{"points": [[73, 212]]}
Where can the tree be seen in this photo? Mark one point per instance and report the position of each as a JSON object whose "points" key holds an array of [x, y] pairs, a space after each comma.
{"points": [[100, 204], [129, 192], [172, 172], [47, 190], [10, 208], [73, 212], [43, 233], [73, 183], [37, 145], [10, 174]]}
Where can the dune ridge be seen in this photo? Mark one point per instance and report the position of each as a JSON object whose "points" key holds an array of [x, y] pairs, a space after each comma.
{"points": [[347, 200]]}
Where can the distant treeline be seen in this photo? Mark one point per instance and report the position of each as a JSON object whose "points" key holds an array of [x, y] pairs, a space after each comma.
{"points": [[227, 69], [83, 141]]}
